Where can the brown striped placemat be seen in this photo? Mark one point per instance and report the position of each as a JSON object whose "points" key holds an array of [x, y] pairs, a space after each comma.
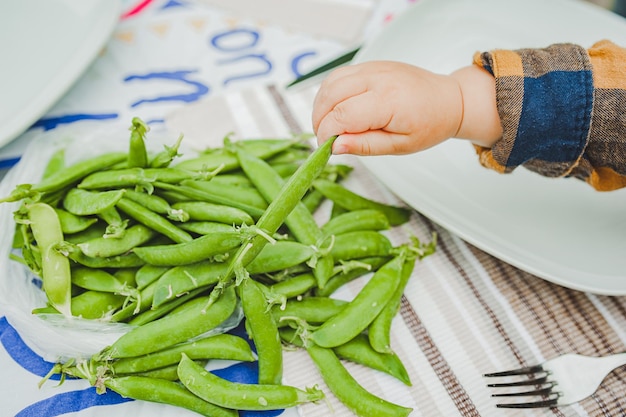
{"points": [[464, 313]]}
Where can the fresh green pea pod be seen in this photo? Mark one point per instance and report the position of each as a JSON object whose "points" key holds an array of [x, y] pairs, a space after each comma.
{"points": [[71, 223], [224, 393], [100, 280], [277, 211], [249, 196], [164, 392], [379, 331], [185, 253], [148, 274], [360, 244], [263, 331], [203, 195], [181, 279], [157, 312], [295, 285], [98, 229], [91, 305], [362, 402], [300, 221], [227, 161], [85, 203], [352, 221], [153, 220], [106, 247], [157, 204], [164, 158], [136, 307], [206, 227], [350, 271], [75, 172], [116, 224], [204, 211], [137, 152], [220, 346], [358, 350], [127, 260], [363, 309], [313, 310], [55, 164], [190, 320], [352, 201], [230, 180], [169, 373], [55, 267]]}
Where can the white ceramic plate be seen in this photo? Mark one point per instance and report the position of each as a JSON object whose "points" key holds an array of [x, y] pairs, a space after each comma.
{"points": [[557, 229], [45, 45]]}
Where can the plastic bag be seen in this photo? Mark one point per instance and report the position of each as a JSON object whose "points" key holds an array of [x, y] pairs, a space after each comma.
{"points": [[55, 337]]}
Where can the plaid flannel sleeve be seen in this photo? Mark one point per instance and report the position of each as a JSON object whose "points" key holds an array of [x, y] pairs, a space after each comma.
{"points": [[563, 112]]}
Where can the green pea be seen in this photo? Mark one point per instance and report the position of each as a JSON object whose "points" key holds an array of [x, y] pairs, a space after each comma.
{"points": [[362, 402], [206, 227], [190, 320], [352, 221], [225, 198], [91, 305], [244, 195], [313, 310], [127, 260], [263, 331], [352, 201], [360, 244], [153, 221], [275, 214], [295, 285], [55, 164], [221, 346], [165, 392], [148, 315], [71, 223], [55, 267], [359, 350], [227, 161], [137, 152], [203, 211], [148, 274], [85, 203], [240, 396], [108, 246], [157, 204], [164, 158], [300, 221], [350, 271], [73, 173], [99, 280], [363, 309], [196, 250]]}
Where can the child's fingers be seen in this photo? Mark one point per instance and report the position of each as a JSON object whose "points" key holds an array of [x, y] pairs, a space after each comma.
{"points": [[335, 89], [373, 142], [355, 114]]}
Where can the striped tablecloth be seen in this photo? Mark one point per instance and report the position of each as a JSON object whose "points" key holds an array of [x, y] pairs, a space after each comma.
{"points": [[464, 313]]}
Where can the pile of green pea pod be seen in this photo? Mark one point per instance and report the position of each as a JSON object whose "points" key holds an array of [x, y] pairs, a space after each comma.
{"points": [[176, 249]]}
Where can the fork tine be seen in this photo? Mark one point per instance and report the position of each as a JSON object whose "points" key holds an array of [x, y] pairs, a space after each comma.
{"points": [[537, 404], [537, 381], [541, 392], [528, 370]]}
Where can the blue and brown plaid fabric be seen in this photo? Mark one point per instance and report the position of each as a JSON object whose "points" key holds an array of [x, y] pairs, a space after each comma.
{"points": [[563, 112]]}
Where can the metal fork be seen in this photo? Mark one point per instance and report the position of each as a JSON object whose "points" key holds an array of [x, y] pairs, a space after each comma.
{"points": [[563, 380]]}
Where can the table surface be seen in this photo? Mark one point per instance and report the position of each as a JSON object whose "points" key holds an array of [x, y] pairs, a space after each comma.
{"points": [[190, 67]]}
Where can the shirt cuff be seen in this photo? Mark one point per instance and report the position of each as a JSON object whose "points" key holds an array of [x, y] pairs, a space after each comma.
{"points": [[545, 102]]}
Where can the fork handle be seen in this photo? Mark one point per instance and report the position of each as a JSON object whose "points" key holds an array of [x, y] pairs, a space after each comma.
{"points": [[615, 361]]}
